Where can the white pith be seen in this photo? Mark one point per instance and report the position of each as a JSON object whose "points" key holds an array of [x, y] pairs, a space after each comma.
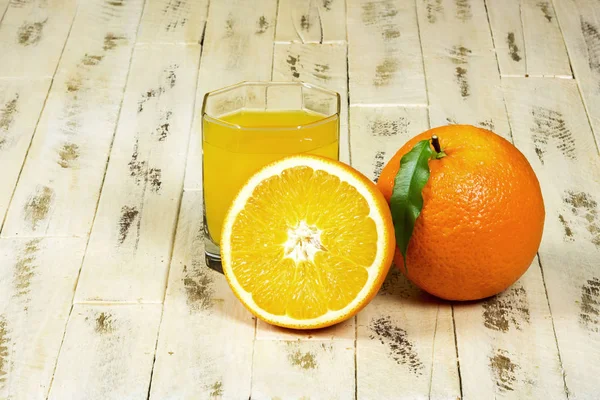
{"points": [[238, 205], [303, 242]]}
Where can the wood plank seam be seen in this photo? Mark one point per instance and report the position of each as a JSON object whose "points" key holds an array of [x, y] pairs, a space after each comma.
{"points": [[500, 72], [562, 370], [162, 312], [585, 104], [62, 341], [134, 262], [489, 24], [113, 137], [567, 50], [528, 65], [348, 107], [355, 346], [324, 42], [275, 44], [252, 357], [422, 64], [522, 28], [460, 384], [41, 111], [542, 271], [193, 105], [203, 35], [437, 314], [25, 158], [526, 129], [389, 105], [4, 11], [523, 46]]}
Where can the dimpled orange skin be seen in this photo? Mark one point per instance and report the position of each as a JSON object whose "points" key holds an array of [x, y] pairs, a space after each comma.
{"points": [[482, 217]]}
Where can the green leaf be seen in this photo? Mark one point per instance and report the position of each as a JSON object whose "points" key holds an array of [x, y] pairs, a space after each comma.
{"points": [[407, 200]]}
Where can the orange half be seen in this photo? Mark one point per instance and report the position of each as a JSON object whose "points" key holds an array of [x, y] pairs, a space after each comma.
{"points": [[307, 242]]}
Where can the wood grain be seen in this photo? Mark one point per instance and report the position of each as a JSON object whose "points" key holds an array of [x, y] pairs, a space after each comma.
{"points": [[173, 21], [463, 82], [385, 63], [398, 344], [580, 22], [234, 50], [21, 103], [323, 65], [378, 133], [546, 54], [311, 21], [32, 31], [206, 336], [130, 245], [303, 369], [343, 330], [507, 346], [506, 23], [107, 353], [37, 280], [3, 8], [60, 183], [528, 39], [405, 337], [550, 127], [400, 67]]}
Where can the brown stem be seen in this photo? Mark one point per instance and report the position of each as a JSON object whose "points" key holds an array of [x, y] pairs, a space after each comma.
{"points": [[435, 141]]}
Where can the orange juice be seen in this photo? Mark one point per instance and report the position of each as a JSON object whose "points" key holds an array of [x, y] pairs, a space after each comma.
{"points": [[239, 144]]}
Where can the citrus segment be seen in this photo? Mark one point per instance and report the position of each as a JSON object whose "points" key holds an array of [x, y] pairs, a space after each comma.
{"points": [[307, 242]]}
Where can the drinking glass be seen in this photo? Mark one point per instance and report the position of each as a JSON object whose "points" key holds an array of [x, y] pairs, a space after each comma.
{"points": [[251, 124]]}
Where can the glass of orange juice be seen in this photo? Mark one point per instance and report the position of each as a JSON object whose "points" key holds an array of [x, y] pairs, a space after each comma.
{"points": [[252, 124]]}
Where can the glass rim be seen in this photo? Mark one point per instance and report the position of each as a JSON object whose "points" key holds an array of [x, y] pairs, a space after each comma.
{"points": [[324, 120]]}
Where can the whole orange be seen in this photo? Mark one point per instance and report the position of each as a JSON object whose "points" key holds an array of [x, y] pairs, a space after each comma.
{"points": [[482, 217]]}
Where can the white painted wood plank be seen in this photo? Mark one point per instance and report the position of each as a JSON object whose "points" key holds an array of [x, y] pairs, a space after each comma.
{"points": [[527, 38], [343, 331], [506, 344], [59, 186], [445, 379], [323, 65], [234, 50], [37, 280], [378, 133], [131, 241], [303, 370], [463, 82], [550, 127], [107, 353], [21, 103], [205, 341], [580, 23], [546, 54], [405, 340], [506, 23], [311, 21], [384, 53], [396, 338], [32, 31], [173, 21]]}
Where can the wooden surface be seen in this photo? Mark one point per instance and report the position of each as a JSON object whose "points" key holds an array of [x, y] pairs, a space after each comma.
{"points": [[104, 293]]}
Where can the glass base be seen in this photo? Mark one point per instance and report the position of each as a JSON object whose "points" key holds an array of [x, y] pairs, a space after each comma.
{"points": [[212, 255]]}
